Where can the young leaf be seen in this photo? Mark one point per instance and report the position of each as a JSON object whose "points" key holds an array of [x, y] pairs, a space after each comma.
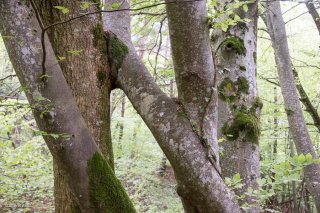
{"points": [[64, 10], [75, 52], [115, 5]]}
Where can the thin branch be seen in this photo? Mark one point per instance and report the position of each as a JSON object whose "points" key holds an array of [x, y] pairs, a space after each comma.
{"points": [[9, 76]]}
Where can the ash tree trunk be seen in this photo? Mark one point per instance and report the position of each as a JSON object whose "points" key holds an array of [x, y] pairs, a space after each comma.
{"points": [[276, 29], [184, 129], [234, 53], [88, 174], [87, 74]]}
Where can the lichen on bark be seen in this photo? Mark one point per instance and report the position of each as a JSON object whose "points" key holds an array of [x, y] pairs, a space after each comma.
{"points": [[106, 193]]}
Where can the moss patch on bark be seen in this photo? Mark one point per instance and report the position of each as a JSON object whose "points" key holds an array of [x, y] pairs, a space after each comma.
{"points": [[117, 50], [106, 192], [246, 122], [231, 91], [235, 43]]}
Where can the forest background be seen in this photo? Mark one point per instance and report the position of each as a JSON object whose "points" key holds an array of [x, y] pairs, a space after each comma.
{"points": [[26, 177]]}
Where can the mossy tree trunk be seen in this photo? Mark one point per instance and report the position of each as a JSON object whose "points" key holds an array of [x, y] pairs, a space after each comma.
{"points": [[87, 74], [238, 104], [298, 128], [88, 175]]}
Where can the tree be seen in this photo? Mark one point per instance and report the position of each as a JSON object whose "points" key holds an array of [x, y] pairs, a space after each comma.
{"points": [[238, 105], [314, 13], [86, 74], [86, 171], [185, 129], [276, 29]]}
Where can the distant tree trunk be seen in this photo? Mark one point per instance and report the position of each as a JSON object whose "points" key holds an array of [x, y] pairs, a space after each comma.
{"points": [[239, 105], [87, 76], [314, 13], [90, 178], [274, 146], [276, 29], [293, 183], [121, 124]]}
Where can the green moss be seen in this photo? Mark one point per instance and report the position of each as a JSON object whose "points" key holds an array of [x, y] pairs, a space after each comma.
{"points": [[98, 39], [235, 43], [101, 76], [289, 111], [117, 50], [246, 122], [227, 90], [230, 91], [256, 104], [243, 68], [106, 192], [243, 85]]}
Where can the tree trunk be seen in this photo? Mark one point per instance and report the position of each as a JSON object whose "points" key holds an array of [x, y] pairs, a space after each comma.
{"points": [[305, 100], [92, 181], [314, 13], [239, 105], [86, 75], [276, 29], [176, 125]]}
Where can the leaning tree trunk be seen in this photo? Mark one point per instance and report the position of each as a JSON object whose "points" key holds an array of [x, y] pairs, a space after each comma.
{"points": [[186, 129], [239, 105], [314, 13], [276, 29], [90, 178], [86, 74]]}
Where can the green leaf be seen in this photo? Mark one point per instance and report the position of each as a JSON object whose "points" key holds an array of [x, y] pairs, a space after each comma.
{"points": [[61, 58], [309, 157], [301, 158], [115, 5], [245, 8], [75, 52], [86, 5], [64, 10], [236, 177]]}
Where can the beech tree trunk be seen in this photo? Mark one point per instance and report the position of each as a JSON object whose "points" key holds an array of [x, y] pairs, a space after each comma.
{"points": [[89, 176], [239, 105], [276, 29]]}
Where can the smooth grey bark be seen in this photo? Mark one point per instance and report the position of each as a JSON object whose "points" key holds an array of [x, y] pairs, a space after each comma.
{"points": [[276, 29], [56, 112], [238, 104], [314, 13], [199, 184]]}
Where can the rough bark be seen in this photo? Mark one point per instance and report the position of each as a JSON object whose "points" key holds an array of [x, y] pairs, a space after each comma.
{"points": [[199, 184], [314, 13], [87, 74], [238, 104], [276, 29], [89, 176]]}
